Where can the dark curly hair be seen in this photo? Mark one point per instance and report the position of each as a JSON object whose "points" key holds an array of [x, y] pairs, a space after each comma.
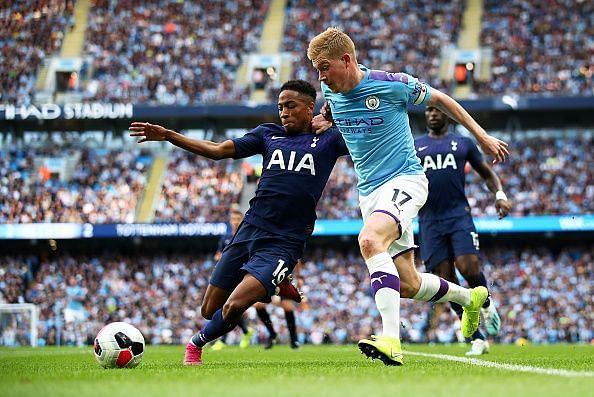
{"points": [[301, 86]]}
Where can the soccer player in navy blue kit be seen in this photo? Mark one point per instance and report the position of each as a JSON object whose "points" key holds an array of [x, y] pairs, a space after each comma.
{"points": [[369, 108], [265, 249], [447, 235]]}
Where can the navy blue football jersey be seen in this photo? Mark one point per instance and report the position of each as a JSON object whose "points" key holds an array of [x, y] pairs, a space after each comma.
{"points": [[295, 170], [443, 160]]}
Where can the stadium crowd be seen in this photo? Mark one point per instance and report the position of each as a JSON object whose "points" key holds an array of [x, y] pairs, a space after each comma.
{"points": [[187, 53], [104, 186], [402, 36], [539, 47], [544, 176], [30, 31], [196, 189], [170, 52], [542, 296]]}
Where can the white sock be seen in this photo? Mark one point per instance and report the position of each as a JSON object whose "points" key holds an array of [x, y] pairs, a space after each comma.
{"points": [[436, 289], [386, 288]]}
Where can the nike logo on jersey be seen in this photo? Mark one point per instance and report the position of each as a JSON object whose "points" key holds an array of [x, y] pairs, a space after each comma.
{"points": [[422, 148], [278, 137]]}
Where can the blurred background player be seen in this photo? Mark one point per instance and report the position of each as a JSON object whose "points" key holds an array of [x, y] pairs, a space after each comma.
{"points": [[447, 235], [288, 307], [235, 218]]}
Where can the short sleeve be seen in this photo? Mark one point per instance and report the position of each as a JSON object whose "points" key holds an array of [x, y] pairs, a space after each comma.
{"points": [[418, 93], [405, 87], [250, 144]]}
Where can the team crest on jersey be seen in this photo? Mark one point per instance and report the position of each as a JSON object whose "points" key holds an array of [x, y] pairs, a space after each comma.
{"points": [[314, 141], [454, 146], [372, 102]]}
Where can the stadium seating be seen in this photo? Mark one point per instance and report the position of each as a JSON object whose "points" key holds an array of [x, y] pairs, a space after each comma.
{"points": [[541, 295], [402, 36], [539, 47], [29, 32], [104, 186], [198, 190], [171, 52], [541, 177]]}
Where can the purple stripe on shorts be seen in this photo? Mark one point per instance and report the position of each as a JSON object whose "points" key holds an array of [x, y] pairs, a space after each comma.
{"points": [[393, 217], [443, 288], [381, 280]]}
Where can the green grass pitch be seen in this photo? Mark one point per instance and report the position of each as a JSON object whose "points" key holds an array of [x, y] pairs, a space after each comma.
{"points": [[312, 371]]}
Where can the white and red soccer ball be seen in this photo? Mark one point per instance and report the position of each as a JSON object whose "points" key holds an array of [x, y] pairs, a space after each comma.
{"points": [[119, 345]]}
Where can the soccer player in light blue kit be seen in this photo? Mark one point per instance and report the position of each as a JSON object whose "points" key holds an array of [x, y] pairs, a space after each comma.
{"points": [[370, 109]]}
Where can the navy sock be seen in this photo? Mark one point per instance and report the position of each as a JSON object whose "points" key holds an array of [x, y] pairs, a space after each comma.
{"points": [[290, 317], [215, 328], [241, 324], [265, 318], [458, 309], [477, 335], [477, 281]]}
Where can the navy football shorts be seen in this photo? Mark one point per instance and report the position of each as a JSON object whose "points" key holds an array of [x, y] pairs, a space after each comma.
{"points": [[268, 257], [447, 239]]}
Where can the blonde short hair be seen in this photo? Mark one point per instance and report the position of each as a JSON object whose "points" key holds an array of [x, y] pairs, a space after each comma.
{"points": [[333, 43]]}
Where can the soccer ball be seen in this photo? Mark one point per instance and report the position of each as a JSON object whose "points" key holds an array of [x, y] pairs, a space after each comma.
{"points": [[119, 345]]}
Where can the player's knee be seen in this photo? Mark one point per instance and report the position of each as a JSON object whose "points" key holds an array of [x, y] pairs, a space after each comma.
{"points": [[206, 312], [369, 244]]}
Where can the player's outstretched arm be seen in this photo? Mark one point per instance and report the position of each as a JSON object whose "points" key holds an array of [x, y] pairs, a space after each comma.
{"points": [[491, 145], [502, 204], [153, 132]]}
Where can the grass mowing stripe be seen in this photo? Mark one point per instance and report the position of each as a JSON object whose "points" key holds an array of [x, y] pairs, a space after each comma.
{"points": [[507, 367]]}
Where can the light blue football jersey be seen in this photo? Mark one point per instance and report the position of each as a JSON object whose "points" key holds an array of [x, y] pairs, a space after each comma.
{"points": [[373, 119]]}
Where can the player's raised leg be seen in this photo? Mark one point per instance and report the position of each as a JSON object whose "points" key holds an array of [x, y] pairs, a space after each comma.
{"points": [[431, 288]]}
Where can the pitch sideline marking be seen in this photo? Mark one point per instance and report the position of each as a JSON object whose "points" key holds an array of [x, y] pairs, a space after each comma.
{"points": [[507, 367]]}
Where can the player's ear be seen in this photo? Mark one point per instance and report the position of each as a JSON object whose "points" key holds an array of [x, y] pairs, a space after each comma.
{"points": [[346, 58]]}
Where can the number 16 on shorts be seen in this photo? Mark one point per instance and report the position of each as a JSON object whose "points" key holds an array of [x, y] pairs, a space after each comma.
{"points": [[279, 273]]}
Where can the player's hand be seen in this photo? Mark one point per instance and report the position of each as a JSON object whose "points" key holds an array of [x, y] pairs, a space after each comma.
{"points": [[147, 131], [326, 112], [319, 124], [495, 147], [503, 208]]}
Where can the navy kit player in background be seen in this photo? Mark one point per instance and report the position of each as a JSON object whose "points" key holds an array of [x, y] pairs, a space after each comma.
{"points": [[271, 238], [235, 218], [447, 235], [370, 109]]}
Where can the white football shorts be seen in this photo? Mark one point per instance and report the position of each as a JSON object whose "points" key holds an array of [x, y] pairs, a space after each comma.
{"points": [[401, 198]]}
